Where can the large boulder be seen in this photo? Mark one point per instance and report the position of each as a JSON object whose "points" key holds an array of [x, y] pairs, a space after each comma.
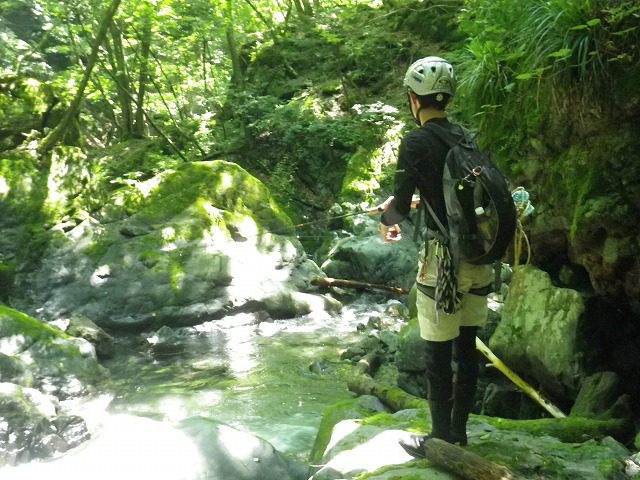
{"points": [[128, 447], [370, 446], [183, 247], [39, 367], [366, 258], [540, 334]]}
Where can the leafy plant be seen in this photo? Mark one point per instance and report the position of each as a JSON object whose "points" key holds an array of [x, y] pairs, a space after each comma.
{"points": [[545, 58]]}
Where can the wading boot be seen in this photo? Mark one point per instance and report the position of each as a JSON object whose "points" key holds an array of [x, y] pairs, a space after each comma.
{"points": [[440, 426], [463, 401]]}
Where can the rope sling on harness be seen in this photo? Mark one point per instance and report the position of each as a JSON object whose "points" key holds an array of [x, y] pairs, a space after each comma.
{"points": [[446, 289]]}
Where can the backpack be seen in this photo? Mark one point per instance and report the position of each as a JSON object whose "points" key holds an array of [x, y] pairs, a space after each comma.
{"points": [[481, 214]]}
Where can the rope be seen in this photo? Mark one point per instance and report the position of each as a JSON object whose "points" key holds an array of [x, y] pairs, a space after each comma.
{"points": [[446, 294], [524, 208]]}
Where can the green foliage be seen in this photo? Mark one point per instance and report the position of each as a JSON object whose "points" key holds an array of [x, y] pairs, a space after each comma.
{"points": [[546, 58], [303, 147]]}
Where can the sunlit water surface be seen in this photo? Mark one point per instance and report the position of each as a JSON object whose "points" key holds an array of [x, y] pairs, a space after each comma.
{"points": [[269, 378]]}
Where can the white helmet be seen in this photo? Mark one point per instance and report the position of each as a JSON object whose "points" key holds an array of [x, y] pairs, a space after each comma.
{"points": [[431, 75]]}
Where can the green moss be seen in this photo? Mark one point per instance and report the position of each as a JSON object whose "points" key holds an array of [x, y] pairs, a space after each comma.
{"points": [[97, 249], [610, 468], [224, 185], [418, 472], [380, 420], [359, 183], [14, 322], [569, 429], [22, 187], [349, 409], [7, 272]]}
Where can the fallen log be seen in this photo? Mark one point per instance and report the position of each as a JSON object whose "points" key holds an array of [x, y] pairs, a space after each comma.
{"points": [[464, 463], [338, 282], [369, 363], [393, 397], [566, 429]]}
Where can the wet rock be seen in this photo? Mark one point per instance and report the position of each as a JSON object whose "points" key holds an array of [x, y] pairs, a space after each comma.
{"points": [[83, 327], [26, 429], [601, 397], [72, 429], [371, 446], [168, 341], [174, 257], [49, 360], [231, 453], [534, 305], [370, 260]]}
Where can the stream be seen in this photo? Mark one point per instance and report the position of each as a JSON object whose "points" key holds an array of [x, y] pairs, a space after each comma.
{"points": [[270, 378]]}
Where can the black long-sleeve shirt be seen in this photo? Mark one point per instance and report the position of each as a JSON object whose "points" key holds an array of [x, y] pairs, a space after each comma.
{"points": [[420, 166]]}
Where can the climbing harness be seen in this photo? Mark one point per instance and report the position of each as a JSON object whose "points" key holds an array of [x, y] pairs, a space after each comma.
{"points": [[524, 208]]}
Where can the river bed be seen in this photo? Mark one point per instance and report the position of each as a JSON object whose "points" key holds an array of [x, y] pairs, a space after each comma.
{"points": [[270, 378]]}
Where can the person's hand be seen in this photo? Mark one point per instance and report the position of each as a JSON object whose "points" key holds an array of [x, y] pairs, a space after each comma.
{"points": [[415, 201], [390, 233]]}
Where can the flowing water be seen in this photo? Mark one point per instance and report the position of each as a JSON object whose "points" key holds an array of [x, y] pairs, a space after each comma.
{"points": [[270, 378]]}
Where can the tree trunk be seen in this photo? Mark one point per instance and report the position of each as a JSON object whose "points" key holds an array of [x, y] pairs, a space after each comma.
{"points": [[139, 126], [59, 131], [303, 7], [464, 463], [119, 65], [237, 78]]}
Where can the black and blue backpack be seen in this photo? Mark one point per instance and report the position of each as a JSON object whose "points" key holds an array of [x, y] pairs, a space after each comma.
{"points": [[481, 214]]}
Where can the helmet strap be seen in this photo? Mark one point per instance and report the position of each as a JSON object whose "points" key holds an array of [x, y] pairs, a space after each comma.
{"points": [[416, 116]]}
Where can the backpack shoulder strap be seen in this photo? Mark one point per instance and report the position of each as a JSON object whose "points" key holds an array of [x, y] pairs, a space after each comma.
{"points": [[464, 136]]}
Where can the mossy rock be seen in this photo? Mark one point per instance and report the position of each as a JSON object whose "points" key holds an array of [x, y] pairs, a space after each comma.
{"points": [[534, 305], [359, 407], [530, 454], [50, 356]]}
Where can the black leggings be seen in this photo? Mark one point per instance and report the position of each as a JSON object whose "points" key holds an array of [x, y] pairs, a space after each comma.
{"points": [[439, 373]]}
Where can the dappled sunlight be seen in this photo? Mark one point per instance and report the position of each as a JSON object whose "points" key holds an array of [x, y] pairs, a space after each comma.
{"points": [[240, 350], [127, 448], [173, 409], [238, 444], [13, 344], [367, 455], [168, 233], [100, 276], [4, 188], [148, 186], [341, 430]]}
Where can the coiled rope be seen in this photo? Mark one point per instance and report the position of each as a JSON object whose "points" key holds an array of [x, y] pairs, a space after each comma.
{"points": [[524, 208]]}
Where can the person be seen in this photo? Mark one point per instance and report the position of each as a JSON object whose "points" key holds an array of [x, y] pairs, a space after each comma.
{"points": [[449, 338]]}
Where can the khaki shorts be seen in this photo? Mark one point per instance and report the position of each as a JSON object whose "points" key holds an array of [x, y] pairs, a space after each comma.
{"points": [[437, 326]]}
